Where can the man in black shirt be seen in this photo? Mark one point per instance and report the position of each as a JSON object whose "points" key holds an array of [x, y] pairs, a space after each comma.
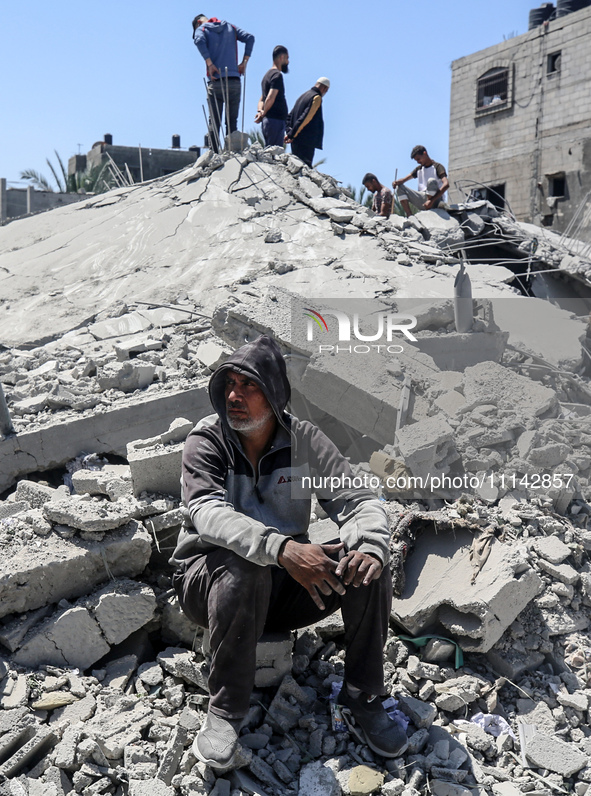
{"points": [[272, 108], [305, 125]]}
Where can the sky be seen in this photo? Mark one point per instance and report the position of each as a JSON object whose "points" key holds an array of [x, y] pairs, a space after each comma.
{"points": [[73, 71]]}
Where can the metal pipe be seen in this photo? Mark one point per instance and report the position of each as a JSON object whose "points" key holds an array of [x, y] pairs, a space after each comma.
{"points": [[210, 124], [209, 129], [228, 131], [243, 102]]}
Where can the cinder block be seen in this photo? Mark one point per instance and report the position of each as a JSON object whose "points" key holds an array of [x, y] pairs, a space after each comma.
{"points": [[155, 467], [68, 568]]}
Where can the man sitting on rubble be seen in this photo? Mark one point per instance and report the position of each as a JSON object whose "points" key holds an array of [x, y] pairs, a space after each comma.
{"points": [[433, 183], [382, 196], [245, 561]]}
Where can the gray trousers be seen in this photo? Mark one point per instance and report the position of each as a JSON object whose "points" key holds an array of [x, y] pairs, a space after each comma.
{"points": [[216, 89], [418, 198], [238, 600]]}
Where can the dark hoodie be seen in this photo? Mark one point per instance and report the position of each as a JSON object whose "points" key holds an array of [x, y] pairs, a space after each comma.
{"points": [[230, 505]]}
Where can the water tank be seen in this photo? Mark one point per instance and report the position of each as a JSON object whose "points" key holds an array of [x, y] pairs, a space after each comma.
{"points": [[564, 7], [176, 142], [108, 138], [537, 16]]}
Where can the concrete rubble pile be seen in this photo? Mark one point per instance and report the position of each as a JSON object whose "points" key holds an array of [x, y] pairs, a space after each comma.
{"points": [[103, 681]]}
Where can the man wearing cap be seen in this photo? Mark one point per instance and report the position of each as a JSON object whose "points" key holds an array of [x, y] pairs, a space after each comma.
{"points": [[305, 125], [245, 561], [217, 41]]}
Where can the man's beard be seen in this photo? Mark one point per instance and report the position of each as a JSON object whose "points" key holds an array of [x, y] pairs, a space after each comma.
{"points": [[247, 425], [284, 68]]}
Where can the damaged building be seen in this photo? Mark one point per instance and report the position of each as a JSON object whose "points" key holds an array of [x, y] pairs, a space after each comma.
{"points": [[520, 121], [141, 293]]}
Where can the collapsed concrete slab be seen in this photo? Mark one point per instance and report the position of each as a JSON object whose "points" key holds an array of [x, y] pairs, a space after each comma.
{"points": [[439, 591], [81, 635], [107, 432], [57, 568], [491, 383]]}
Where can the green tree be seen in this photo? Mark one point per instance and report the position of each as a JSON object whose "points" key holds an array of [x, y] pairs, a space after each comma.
{"points": [[96, 179]]}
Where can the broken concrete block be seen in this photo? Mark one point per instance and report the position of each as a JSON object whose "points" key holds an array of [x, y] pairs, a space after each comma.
{"points": [[43, 739], [273, 236], [30, 406], [286, 708], [273, 659], [444, 230], [73, 638], [89, 515], [8, 508], [119, 725], [126, 376], [137, 344], [12, 634], [113, 481], [155, 468], [563, 573], [150, 787], [108, 431], [422, 714], [211, 355], [555, 755], [178, 431], [512, 663], [15, 693], [68, 568], [551, 549], [491, 383], [183, 664], [341, 215], [457, 351], [476, 613], [425, 445], [317, 779], [121, 608], [35, 494], [179, 738], [79, 711]]}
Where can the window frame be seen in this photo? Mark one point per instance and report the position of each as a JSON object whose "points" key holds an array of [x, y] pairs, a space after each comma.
{"points": [[485, 110]]}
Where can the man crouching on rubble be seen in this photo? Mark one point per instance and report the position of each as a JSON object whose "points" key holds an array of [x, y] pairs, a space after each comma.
{"points": [[246, 564]]}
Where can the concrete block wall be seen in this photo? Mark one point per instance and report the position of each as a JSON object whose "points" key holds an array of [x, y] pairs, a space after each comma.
{"points": [[17, 202], [545, 128]]}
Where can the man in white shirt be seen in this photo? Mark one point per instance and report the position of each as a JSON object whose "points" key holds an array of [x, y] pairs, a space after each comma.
{"points": [[433, 183]]}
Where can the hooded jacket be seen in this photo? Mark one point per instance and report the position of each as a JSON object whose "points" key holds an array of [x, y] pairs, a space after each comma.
{"points": [[228, 504], [219, 41], [305, 122]]}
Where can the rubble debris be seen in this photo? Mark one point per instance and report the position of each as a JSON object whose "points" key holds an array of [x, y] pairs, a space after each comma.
{"points": [[81, 712]]}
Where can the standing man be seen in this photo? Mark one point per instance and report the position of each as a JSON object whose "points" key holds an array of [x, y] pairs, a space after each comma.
{"points": [[272, 107], [217, 42], [382, 196], [305, 125], [245, 562], [433, 182]]}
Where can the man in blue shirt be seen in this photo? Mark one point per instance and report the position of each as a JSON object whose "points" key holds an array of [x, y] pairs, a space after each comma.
{"points": [[217, 41]]}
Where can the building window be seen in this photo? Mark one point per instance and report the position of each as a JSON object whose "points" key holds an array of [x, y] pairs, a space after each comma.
{"points": [[557, 186], [493, 89], [553, 63], [495, 194]]}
